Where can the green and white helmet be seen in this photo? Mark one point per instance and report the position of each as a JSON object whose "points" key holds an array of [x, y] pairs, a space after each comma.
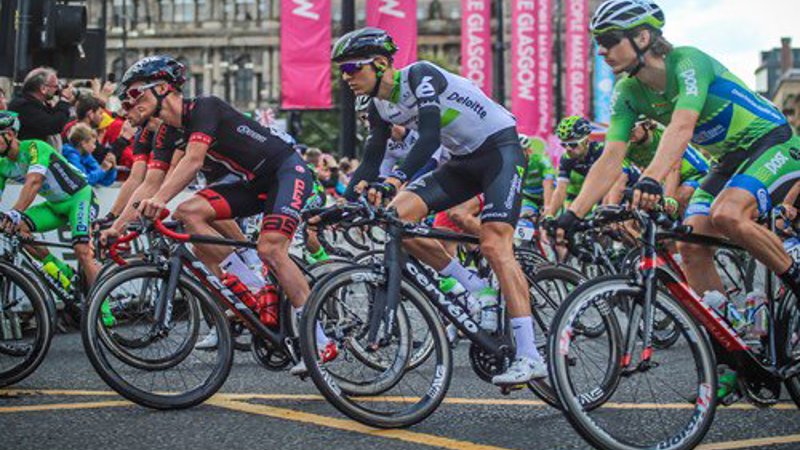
{"points": [[9, 121], [624, 15], [573, 128]]}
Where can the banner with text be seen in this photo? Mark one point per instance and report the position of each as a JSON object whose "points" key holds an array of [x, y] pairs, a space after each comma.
{"points": [[399, 19], [306, 54], [603, 89], [531, 66], [576, 57], [476, 43]]}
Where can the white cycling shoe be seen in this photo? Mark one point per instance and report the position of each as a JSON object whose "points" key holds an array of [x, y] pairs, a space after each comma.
{"points": [[209, 342], [522, 370]]}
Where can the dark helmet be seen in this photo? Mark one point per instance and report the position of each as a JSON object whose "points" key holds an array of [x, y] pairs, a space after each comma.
{"points": [[363, 43], [573, 128], [9, 121], [154, 68]]}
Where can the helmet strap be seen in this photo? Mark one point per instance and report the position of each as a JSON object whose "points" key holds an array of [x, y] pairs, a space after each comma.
{"points": [[379, 74], [160, 99], [634, 69], [8, 142]]}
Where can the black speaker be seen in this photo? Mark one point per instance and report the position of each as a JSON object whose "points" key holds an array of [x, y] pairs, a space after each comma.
{"points": [[8, 36], [70, 63]]}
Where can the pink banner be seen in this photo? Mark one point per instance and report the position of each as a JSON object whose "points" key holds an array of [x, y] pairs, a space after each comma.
{"points": [[476, 43], [532, 66], [577, 58], [305, 54], [399, 19]]}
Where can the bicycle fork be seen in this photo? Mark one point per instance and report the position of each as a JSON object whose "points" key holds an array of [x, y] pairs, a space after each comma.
{"points": [[387, 297], [648, 267]]}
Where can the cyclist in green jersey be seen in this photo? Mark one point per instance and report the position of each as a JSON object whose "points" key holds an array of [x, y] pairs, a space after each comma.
{"points": [[68, 197], [683, 179], [539, 178], [700, 101]]}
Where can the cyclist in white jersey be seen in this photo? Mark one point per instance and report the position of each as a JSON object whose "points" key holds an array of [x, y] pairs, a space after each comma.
{"points": [[450, 111]]}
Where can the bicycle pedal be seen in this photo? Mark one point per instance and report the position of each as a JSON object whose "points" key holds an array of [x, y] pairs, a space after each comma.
{"points": [[507, 389], [730, 399]]}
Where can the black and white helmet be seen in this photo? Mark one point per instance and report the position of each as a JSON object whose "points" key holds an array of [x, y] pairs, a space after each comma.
{"points": [[362, 103], [624, 15]]}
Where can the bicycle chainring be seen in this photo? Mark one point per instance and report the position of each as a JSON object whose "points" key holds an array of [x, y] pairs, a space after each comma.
{"points": [[761, 393], [484, 364], [271, 358]]}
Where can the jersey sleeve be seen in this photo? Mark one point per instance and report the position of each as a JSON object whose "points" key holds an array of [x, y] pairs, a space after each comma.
{"points": [[623, 111], [205, 118], [565, 165], [694, 72], [166, 141], [40, 153]]}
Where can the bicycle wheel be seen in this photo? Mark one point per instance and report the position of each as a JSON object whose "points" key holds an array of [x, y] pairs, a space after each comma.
{"points": [[792, 346], [668, 403], [26, 325], [359, 238], [171, 377], [390, 397], [549, 286]]}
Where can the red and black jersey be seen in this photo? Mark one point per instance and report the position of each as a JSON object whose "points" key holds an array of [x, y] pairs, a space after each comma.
{"points": [[156, 148], [239, 143]]}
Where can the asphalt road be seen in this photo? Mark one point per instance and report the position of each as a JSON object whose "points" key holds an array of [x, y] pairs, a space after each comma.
{"points": [[65, 405]]}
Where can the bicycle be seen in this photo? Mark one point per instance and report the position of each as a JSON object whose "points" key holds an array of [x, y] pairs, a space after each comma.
{"points": [[366, 310], [682, 402]]}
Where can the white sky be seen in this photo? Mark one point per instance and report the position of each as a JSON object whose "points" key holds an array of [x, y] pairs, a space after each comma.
{"points": [[733, 31]]}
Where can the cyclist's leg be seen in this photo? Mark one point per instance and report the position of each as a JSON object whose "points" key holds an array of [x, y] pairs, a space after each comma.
{"points": [[83, 210], [762, 182], [292, 186], [40, 218]]}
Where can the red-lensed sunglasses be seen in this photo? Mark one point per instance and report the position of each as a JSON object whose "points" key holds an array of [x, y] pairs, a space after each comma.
{"points": [[133, 94], [353, 67]]}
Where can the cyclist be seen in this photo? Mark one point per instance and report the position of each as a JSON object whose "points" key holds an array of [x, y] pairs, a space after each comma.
{"points": [[68, 197], [480, 134], [698, 100], [539, 178], [275, 180], [683, 178]]}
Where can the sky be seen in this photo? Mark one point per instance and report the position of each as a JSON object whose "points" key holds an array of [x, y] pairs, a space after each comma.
{"points": [[733, 31]]}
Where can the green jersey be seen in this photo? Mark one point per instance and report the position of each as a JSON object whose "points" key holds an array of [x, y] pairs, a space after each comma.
{"points": [[540, 169], [732, 117], [61, 179], [693, 165]]}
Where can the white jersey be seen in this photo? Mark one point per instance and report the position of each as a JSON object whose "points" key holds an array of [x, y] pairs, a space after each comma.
{"points": [[468, 116]]}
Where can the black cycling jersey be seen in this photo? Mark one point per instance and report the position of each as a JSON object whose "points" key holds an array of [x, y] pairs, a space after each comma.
{"points": [[580, 166], [239, 143], [156, 148]]}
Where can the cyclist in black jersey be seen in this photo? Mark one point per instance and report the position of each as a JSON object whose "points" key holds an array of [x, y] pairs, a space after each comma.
{"points": [[275, 179], [487, 158]]}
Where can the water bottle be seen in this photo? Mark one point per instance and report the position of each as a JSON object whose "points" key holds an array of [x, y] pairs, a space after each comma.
{"points": [[726, 309], [756, 314], [450, 285], [489, 309]]}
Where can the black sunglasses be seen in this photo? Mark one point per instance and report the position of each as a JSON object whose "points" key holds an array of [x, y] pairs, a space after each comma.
{"points": [[573, 144], [610, 40], [353, 67]]}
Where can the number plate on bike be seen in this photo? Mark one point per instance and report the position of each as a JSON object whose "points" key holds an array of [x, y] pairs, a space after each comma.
{"points": [[524, 233]]}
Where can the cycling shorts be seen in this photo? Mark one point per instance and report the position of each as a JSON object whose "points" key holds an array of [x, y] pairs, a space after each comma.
{"points": [[767, 170], [78, 211], [280, 195], [496, 169]]}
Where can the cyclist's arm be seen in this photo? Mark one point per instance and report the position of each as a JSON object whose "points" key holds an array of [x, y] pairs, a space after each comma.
{"points": [[615, 194], [548, 185], [33, 182], [374, 151], [185, 171], [557, 200], [601, 178], [427, 84], [134, 180], [152, 182], [673, 181]]}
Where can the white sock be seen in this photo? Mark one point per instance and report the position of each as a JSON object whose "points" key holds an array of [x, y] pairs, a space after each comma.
{"points": [[322, 339], [524, 337], [467, 278]]}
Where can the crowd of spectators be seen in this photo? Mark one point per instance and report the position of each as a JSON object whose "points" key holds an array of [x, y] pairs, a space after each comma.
{"points": [[79, 119]]}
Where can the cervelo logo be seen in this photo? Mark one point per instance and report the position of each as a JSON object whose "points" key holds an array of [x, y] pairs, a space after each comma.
{"points": [[456, 311], [249, 132], [775, 164], [389, 7], [305, 8], [689, 77], [425, 88]]}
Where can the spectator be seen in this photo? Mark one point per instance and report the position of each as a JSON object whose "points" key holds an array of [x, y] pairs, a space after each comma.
{"points": [[115, 135], [312, 156], [3, 105], [43, 108], [78, 151], [89, 111]]}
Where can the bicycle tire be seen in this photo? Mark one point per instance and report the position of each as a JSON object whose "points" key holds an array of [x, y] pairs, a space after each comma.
{"points": [[41, 313], [93, 345]]}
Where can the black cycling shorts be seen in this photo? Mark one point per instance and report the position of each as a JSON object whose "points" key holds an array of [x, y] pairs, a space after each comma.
{"points": [[280, 196], [496, 169]]}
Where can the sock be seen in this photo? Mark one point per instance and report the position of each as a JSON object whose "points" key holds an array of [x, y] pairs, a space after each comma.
{"points": [[234, 265], [63, 267], [467, 278], [524, 337], [792, 277], [322, 339], [249, 256], [320, 255]]}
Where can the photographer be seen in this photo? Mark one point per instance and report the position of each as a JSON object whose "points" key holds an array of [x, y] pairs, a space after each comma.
{"points": [[43, 107]]}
